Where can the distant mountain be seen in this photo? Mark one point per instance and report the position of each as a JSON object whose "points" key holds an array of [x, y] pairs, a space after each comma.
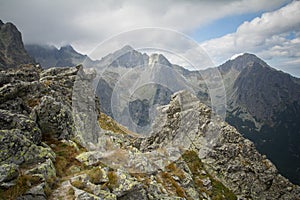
{"points": [[50, 56], [127, 68], [12, 51], [264, 105]]}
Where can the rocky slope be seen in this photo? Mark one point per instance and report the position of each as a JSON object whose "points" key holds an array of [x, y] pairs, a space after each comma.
{"points": [[264, 106], [262, 103], [44, 157], [12, 51]]}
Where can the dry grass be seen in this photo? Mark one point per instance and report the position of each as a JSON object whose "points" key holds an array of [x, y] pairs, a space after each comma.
{"points": [[33, 102], [218, 191], [78, 184], [171, 185], [95, 175], [24, 182], [47, 83], [142, 177], [172, 168], [107, 123], [71, 192], [65, 157], [113, 180]]}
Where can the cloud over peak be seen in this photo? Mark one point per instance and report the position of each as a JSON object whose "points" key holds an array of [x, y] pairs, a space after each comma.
{"points": [[273, 34]]}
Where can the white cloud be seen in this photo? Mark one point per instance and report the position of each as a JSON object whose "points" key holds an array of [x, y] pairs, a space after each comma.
{"points": [[266, 36], [86, 23]]}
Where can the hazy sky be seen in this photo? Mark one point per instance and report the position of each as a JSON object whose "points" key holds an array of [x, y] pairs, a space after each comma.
{"points": [[268, 28]]}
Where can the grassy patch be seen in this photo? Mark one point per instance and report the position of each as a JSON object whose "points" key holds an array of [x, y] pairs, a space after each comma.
{"points": [[24, 183], [107, 123], [65, 157], [172, 168], [95, 175], [218, 191], [112, 180], [171, 185]]}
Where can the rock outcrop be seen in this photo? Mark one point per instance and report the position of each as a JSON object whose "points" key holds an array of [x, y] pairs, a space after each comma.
{"points": [[223, 151], [33, 108], [12, 51]]}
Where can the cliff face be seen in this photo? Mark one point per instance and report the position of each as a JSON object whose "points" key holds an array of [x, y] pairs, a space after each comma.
{"points": [[264, 105], [34, 105], [225, 154], [191, 154], [12, 51]]}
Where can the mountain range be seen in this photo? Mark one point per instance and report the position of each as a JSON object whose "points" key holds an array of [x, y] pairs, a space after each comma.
{"points": [[262, 104], [49, 56]]}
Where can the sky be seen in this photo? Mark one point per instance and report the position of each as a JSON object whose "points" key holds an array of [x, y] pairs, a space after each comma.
{"points": [[269, 29]]}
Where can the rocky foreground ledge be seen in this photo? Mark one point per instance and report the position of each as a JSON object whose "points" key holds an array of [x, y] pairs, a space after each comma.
{"points": [[40, 157]]}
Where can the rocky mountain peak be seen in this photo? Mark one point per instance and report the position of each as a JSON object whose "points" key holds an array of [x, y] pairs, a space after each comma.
{"points": [[124, 50], [50, 56], [127, 48], [67, 48], [12, 51], [125, 57], [241, 61], [159, 59], [264, 90]]}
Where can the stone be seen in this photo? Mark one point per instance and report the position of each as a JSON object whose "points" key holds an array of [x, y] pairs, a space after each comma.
{"points": [[125, 184], [27, 126], [35, 193], [54, 118], [17, 149], [139, 193], [8, 173], [46, 169]]}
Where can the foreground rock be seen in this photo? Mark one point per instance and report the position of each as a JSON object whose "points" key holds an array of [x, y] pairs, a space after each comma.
{"points": [[33, 108]]}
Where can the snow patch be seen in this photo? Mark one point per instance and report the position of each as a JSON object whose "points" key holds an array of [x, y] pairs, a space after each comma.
{"points": [[236, 55]]}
